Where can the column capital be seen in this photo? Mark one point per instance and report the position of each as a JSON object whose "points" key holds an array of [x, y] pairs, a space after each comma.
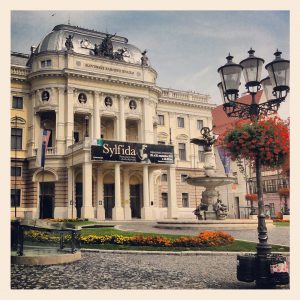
{"points": [[70, 90]]}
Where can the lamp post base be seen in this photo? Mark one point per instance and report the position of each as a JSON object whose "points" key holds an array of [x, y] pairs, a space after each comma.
{"points": [[266, 270]]}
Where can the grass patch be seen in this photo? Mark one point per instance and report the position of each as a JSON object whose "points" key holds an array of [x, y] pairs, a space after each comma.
{"points": [[113, 231], [282, 224], [236, 246]]}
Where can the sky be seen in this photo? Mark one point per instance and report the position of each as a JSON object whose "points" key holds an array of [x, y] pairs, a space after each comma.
{"points": [[185, 47]]}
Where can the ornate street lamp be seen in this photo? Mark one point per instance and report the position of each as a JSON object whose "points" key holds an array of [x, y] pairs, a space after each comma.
{"points": [[276, 85], [276, 88]]}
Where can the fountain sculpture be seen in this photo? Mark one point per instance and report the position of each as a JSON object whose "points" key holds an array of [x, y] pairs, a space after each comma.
{"points": [[211, 207]]}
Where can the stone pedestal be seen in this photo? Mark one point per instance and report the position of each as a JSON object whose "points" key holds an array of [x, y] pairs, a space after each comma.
{"points": [[127, 212], [146, 213], [209, 197], [286, 217], [253, 217], [100, 213], [209, 164], [210, 215], [118, 213], [87, 212]]}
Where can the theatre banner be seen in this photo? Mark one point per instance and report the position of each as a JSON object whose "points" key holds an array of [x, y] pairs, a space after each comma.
{"points": [[106, 150]]}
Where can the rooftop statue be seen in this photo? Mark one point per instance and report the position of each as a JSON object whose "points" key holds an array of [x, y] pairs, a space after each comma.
{"points": [[69, 43], [144, 59], [207, 141], [119, 54], [106, 47]]}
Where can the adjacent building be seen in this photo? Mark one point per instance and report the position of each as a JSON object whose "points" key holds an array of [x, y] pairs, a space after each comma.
{"points": [[273, 179]]}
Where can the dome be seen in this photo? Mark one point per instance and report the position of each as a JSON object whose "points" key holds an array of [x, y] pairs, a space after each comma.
{"points": [[84, 41]]}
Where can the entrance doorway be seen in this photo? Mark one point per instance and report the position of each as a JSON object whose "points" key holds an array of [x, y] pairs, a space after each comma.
{"points": [[135, 200], [109, 199], [46, 200], [237, 208], [78, 202]]}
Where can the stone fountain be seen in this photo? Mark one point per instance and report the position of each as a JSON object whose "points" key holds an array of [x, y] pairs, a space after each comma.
{"points": [[210, 207]]}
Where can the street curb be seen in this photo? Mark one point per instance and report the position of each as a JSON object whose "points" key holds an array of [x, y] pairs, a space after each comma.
{"points": [[180, 253]]}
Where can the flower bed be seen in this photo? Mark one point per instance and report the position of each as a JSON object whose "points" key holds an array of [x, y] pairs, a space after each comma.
{"points": [[67, 220], [204, 239], [251, 197], [284, 192]]}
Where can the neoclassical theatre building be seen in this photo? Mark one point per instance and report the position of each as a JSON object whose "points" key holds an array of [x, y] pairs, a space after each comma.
{"points": [[119, 144]]}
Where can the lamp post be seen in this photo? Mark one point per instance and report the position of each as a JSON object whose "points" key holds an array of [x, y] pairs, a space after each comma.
{"points": [[276, 88]]}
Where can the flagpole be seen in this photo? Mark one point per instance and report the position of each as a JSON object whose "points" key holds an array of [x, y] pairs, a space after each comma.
{"points": [[72, 175], [15, 204], [43, 192]]}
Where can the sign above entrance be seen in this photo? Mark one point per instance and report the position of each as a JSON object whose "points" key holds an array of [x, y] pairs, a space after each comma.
{"points": [[133, 152]]}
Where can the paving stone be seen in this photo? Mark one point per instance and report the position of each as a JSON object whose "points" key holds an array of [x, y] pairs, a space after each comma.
{"points": [[126, 271]]}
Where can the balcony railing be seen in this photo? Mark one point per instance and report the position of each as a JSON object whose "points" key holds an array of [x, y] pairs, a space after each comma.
{"points": [[49, 151]]}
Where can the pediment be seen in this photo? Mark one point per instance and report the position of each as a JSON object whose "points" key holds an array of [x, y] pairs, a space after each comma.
{"points": [[17, 121], [182, 137]]}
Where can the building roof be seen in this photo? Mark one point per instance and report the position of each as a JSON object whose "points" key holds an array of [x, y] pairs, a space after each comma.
{"points": [[84, 41], [221, 121], [18, 59]]}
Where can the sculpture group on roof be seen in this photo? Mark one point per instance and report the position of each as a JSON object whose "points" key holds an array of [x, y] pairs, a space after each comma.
{"points": [[106, 49]]}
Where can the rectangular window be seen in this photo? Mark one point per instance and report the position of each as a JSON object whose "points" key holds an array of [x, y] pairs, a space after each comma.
{"points": [[76, 136], [182, 154], [15, 197], [17, 102], [185, 199], [201, 154], [15, 171], [164, 177], [183, 177], [180, 122], [16, 138], [161, 120], [164, 198], [199, 124], [46, 63]]}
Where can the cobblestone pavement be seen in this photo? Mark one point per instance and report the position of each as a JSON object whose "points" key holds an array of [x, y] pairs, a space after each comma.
{"points": [[128, 271], [277, 235]]}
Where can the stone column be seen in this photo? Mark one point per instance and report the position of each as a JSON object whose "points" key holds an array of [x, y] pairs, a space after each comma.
{"points": [[172, 197], [147, 124], [118, 211], [126, 195], [146, 212], [122, 122], [60, 126], [116, 129], [71, 201], [31, 127], [100, 195], [96, 114], [69, 117], [151, 186], [87, 210]]}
